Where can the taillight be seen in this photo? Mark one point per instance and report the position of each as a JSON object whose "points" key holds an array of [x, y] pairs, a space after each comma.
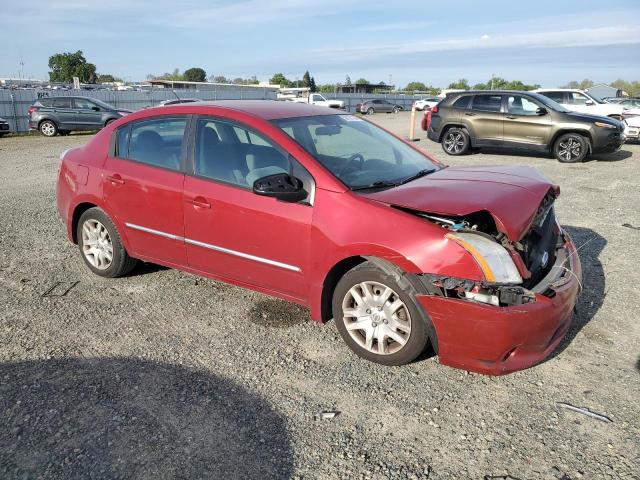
{"points": [[31, 110], [434, 109]]}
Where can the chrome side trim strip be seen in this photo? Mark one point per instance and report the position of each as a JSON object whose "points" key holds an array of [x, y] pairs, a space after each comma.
{"points": [[243, 255], [155, 232], [286, 266]]}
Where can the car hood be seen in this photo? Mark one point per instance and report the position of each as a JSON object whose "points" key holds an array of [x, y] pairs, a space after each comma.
{"points": [[511, 195], [589, 117]]}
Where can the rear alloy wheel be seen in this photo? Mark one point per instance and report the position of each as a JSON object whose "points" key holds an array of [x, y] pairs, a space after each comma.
{"points": [[101, 247], [396, 109], [456, 141], [48, 128], [377, 319], [370, 111], [570, 148]]}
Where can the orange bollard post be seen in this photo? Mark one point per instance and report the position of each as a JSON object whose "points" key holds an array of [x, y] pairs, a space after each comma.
{"points": [[412, 128]]}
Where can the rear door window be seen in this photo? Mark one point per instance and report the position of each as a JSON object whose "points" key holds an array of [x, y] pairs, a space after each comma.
{"points": [[62, 103], [157, 142], [487, 103]]}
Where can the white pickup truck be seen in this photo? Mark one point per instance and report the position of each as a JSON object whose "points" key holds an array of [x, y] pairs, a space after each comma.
{"points": [[303, 95]]}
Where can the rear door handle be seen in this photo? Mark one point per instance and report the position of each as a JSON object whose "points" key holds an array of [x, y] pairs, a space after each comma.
{"points": [[199, 202], [115, 179], [510, 117], [470, 114]]}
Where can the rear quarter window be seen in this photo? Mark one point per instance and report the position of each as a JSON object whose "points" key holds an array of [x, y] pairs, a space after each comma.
{"points": [[462, 102]]}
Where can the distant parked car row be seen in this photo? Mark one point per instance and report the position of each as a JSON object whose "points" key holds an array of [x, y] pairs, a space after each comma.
{"points": [[526, 120], [427, 102]]}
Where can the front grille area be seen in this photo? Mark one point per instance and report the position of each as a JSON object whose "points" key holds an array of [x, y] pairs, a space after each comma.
{"points": [[539, 245]]}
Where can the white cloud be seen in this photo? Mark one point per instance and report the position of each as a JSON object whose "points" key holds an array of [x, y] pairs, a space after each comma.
{"points": [[584, 37], [485, 37], [386, 26]]}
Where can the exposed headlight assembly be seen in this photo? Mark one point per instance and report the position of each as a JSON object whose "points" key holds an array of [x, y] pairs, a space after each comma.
{"points": [[492, 258]]}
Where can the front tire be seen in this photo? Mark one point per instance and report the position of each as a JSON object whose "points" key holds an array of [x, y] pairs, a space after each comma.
{"points": [[456, 141], [371, 111], [48, 128], [101, 246], [378, 318], [570, 148]]}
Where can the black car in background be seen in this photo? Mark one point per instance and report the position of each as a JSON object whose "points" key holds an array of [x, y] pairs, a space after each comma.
{"points": [[4, 127], [62, 115], [375, 106]]}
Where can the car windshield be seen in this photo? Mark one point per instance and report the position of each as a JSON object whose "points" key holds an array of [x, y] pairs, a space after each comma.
{"points": [[357, 152], [553, 105], [593, 97]]}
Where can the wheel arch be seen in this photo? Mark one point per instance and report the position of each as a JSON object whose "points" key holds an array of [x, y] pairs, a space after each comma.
{"points": [[584, 133], [449, 126], [331, 280], [50, 119], [78, 210]]}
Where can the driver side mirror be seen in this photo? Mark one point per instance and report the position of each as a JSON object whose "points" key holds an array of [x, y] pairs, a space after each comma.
{"points": [[281, 186], [589, 102], [541, 111]]}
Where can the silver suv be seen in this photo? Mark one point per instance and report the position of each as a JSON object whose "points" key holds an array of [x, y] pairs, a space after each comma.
{"points": [[64, 114]]}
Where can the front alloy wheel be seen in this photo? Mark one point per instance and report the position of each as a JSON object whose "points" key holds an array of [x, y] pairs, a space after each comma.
{"points": [[376, 318], [570, 148]]}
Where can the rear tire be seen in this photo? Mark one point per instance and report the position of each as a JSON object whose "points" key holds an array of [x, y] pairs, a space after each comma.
{"points": [[48, 128], [101, 246], [570, 148], [396, 109], [387, 326], [456, 141]]}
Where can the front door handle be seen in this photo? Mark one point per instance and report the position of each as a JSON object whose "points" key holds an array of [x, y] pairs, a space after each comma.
{"points": [[199, 202], [470, 114], [511, 117], [115, 179]]}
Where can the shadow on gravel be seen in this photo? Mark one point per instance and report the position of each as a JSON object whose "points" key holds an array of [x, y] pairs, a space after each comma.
{"points": [[145, 268], [600, 157], [638, 364], [125, 418], [278, 314], [590, 244]]}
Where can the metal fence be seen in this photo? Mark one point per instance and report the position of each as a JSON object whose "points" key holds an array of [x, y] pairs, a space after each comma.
{"points": [[15, 103]]}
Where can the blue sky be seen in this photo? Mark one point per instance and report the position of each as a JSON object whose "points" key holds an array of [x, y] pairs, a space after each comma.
{"points": [[546, 42]]}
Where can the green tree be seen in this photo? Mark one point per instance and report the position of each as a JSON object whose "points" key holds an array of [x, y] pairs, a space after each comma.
{"points": [[219, 79], [306, 79], [462, 84], [107, 78], [362, 81], [583, 85], [280, 79], [413, 86], [195, 74], [347, 81], [312, 85], [327, 88], [65, 66]]}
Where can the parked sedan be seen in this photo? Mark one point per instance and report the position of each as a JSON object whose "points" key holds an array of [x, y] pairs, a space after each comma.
{"points": [[327, 210], [4, 127], [65, 114], [372, 106], [426, 102], [631, 121]]}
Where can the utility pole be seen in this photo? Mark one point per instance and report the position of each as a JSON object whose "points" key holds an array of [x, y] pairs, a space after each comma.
{"points": [[21, 63]]}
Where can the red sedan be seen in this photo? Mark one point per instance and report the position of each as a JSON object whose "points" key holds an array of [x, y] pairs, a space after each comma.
{"points": [[327, 210]]}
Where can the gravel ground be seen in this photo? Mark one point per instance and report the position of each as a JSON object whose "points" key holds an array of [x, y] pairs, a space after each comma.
{"points": [[166, 375]]}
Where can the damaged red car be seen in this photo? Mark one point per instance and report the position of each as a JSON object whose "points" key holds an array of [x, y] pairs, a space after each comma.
{"points": [[327, 210]]}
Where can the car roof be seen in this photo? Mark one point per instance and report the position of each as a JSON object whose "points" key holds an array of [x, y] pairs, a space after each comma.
{"points": [[265, 109], [558, 90]]}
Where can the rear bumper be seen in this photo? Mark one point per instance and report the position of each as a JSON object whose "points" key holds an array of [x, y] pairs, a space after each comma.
{"points": [[498, 340]]}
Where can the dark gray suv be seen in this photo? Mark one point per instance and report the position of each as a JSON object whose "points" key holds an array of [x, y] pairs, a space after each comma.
{"points": [[64, 114]]}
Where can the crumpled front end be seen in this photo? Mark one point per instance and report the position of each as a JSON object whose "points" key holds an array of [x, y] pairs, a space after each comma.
{"points": [[509, 335]]}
